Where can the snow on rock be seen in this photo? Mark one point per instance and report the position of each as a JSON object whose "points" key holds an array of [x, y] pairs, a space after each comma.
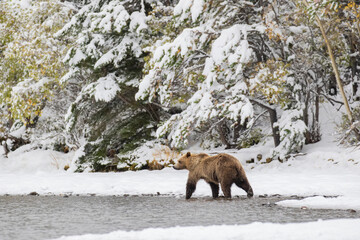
{"points": [[327, 230]]}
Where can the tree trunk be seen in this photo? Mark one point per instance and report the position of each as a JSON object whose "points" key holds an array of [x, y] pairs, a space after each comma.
{"points": [[6, 149], [275, 129], [306, 118], [222, 129], [315, 134], [273, 120], [317, 105]]}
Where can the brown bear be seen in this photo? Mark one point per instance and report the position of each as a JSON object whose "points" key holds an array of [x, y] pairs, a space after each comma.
{"points": [[222, 168]]}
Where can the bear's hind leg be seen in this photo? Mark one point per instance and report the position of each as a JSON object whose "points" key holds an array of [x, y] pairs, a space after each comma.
{"points": [[214, 189], [226, 188], [245, 186]]}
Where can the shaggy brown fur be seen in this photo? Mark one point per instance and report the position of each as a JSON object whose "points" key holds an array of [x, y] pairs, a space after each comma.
{"points": [[222, 169]]}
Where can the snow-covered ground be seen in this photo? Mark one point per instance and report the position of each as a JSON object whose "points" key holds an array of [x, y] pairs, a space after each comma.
{"points": [[304, 176], [327, 175], [320, 230], [325, 169], [309, 175]]}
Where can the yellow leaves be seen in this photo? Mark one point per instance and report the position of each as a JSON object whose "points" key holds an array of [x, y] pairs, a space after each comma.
{"points": [[272, 35], [30, 58], [273, 30], [24, 108], [218, 68], [31, 103], [269, 81], [38, 112], [353, 8], [352, 16], [350, 5]]}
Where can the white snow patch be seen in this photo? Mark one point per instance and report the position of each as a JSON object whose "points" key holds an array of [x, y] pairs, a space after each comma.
{"points": [[326, 230], [232, 44], [19, 132], [24, 3], [119, 52], [106, 88], [189, 8], [321, 202], [25, 161], [138, 21], [78, 57], [197, 9], [298, 29], [30, 85]]}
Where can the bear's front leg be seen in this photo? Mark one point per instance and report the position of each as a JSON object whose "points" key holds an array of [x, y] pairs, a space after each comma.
{"points": [[214, 189], [190, 188]]}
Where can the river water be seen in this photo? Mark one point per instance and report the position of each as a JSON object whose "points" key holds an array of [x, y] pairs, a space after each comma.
{"points": [[46, 217]]}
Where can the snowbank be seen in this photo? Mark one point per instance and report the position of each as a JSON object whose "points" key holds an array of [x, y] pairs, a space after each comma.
{"points": [[28, 161], [327, 230], [321, 202], [172, 182]]}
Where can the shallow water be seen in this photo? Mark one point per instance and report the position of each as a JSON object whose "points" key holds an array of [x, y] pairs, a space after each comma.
{"points": [[44, 217]]}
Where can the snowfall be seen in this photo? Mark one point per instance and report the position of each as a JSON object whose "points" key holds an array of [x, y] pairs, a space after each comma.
{"points": [[326, 174]]}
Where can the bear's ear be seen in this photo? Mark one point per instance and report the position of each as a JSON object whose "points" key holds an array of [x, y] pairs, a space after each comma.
{"points": [[188, 154]]}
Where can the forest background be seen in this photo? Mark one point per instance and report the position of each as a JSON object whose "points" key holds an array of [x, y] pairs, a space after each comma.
{"points": [[126, 85]]}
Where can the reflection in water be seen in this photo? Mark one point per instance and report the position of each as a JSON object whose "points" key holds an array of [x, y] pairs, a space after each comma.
{"points": [[43, 217]]}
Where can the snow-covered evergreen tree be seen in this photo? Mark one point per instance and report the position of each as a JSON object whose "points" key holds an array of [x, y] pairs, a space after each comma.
{"points": [[201, 70], [229, 73], [211, 71], [106, 63]]}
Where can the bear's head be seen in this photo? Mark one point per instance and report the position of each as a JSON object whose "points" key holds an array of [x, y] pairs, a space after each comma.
{"points": [[189, 160], [183, 161]]}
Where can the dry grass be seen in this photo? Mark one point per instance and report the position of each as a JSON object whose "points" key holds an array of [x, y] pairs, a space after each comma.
{"points": [[163, 157], [55, 162]]}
